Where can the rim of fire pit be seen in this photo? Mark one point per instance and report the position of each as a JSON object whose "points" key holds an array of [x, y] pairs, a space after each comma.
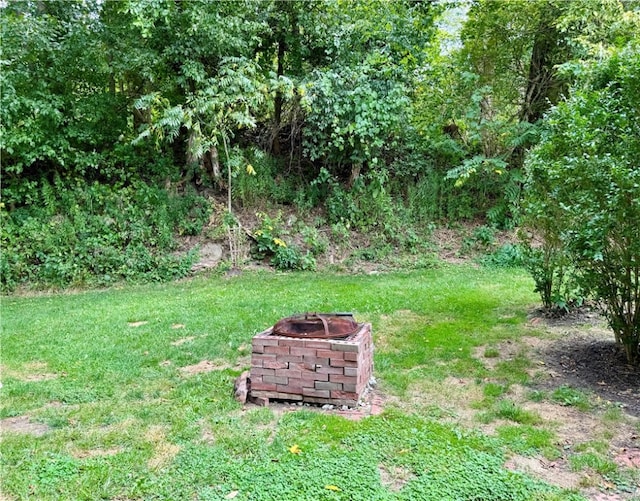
{"points": [[317, 326]]}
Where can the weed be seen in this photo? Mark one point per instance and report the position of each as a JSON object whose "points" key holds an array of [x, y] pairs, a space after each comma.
{"points": [[494, 390], [314, 240], [594, 461], [506, 256], [613, 415], [491, 352], [98, 234], [568, 396], [537, 396], [507, 409], [525, 439]]}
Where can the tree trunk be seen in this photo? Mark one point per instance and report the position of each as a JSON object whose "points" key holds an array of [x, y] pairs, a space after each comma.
{"points": [[543, 89], [277, 118]]}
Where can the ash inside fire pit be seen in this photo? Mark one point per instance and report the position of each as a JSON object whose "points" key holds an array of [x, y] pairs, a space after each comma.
{"points": [[317, 325]]}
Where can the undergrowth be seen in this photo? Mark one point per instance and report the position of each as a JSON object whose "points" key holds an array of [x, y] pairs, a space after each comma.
{"points": [[78, 234]]}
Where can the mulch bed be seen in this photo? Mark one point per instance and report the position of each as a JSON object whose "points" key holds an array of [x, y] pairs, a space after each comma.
{"points": [[590, 362]]}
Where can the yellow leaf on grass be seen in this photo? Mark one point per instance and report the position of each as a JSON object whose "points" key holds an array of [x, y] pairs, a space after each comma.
{"points": [[294, 449], [332, 488]]}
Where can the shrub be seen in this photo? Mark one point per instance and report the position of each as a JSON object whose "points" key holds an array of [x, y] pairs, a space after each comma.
{"points": [[585, 183], [270, 244], [94, 233]]}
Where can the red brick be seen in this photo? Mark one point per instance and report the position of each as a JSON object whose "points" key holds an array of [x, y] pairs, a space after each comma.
{"points": [[261, 401], [302, 366], [277, 395], [257, 371], [298, 350], [330, 370], [275, 380], [351, 347], [288, 373], [278, 350], [323, 345], [292, 342], [336, 362], [290, 359], [351, 356], [351, 371], [312, 392], [264, 341], [289, 388], [341, 378], [324, 353], [258, 386], [325, 385], [274, 364], [344, 394], [321, 361], [314, 376], [263, 356], [315, 400]]}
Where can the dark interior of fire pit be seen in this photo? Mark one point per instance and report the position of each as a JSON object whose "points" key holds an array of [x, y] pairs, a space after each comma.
{"points": [[317, 325]]}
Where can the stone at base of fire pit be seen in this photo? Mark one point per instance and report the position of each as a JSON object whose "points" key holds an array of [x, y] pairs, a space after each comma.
{"points": [[319, 371]]}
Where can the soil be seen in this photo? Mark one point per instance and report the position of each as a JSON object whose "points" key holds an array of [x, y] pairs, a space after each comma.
{"points": [[585, 356]]}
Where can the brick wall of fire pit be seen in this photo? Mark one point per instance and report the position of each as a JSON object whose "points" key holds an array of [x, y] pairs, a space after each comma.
{"points": [[334, 371]]}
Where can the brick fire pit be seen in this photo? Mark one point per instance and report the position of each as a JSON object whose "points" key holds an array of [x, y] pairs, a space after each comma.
{"points": [[322, 371]]}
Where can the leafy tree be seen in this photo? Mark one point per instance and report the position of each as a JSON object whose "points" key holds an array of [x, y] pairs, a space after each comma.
{"points": [[584, 177], [503, 79], [57, 116], [358, 102]]}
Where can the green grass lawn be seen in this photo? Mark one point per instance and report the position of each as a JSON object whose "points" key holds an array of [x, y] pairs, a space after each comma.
{"points": [[102, 370]]}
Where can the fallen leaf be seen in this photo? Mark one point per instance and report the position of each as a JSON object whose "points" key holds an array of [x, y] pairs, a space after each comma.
{"points": [[332, 488], [232, 495], [177, 326], [294, 449]]}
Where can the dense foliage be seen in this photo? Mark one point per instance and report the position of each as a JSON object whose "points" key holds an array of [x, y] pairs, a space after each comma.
{"points": [[386, 116], [584, 191]]}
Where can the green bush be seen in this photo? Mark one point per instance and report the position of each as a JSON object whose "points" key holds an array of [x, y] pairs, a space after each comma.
{"points": [[270, 244], [97, 234], [505, 256], [584, 184]]}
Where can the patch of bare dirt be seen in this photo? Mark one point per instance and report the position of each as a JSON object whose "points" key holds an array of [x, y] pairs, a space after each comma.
{"points": [[204, 366], [394, 478], [23, 424], [183, 340], [92, 453], [138, 323], [448, 244], [213, 365], [575, 350], [554, 472], [30, 372], [584, 355], [457, 245], [163, 450]]}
